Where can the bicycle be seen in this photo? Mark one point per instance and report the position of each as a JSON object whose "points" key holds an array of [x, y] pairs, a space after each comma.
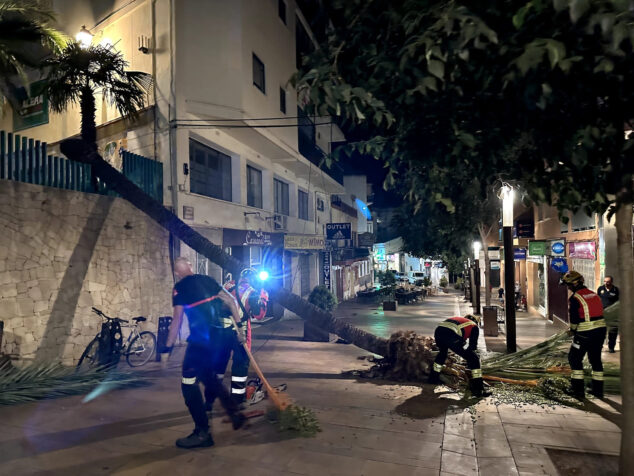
{"points": [[138, 348]]}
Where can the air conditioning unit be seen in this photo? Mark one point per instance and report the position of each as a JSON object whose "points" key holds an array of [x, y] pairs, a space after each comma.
{"points": [[280, 222]]}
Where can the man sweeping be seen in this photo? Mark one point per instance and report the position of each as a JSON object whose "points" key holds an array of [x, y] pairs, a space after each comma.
{"points": [[208, 306], [455, 334], [588, 327]]}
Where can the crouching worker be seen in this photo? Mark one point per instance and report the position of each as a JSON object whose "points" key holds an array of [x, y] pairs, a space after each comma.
{"points": [[209, 345], [454, 333]]}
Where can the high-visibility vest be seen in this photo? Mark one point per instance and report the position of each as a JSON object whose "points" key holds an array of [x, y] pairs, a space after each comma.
{"points": [[245, 293], [590, 311], [460, 325]]}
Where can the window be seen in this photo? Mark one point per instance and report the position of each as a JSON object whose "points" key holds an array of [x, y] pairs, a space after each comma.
{"points": [[283, 100], [281, 197], [281, 10], [581, 221], [210, 171], [254, 187], [258, 74], [302, 205]]}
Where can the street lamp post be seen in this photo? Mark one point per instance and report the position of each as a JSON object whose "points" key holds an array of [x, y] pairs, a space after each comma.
{"points": [[509, 266], [476, 277]]}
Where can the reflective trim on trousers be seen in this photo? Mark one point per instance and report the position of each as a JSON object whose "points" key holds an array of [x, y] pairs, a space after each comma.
{"points": [[597, 376], [238, 390], [438, 368], [577, 374], [189, 380], [238, 379], [476, 373]]}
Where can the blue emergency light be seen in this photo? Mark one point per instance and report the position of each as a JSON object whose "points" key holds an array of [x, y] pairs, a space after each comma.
{"points": [[263, 275]]}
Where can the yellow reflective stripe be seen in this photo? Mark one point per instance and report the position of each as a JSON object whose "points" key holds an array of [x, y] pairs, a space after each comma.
{"points": [[438, 368], [452, 326], [476, 373], [573, 327], [189, 380], [597, 375], [584, 304], [589, 325], [466, 324], [577, 374]]}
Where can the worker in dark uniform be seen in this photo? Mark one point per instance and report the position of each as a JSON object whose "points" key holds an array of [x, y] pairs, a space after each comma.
{"points": [[588, 328], [454, 333], [609, 295], [207, 306]]}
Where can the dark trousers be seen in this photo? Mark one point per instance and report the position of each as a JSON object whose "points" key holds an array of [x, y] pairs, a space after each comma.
{"points": [[203, 363], [613, 333], [239, 372], [446, 340], [590, 342]]}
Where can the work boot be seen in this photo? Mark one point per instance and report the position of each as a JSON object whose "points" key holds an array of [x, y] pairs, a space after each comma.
{"points": [[434, 378], [238, 419], [597, 388], [198, 439], [477, 388], [577, 390]]}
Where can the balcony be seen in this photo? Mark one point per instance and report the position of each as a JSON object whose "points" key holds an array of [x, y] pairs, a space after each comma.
{"points": [[308, 147]]}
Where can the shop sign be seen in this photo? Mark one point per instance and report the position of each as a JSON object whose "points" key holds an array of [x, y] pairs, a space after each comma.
{"points": [[32, 109], [338, 231], [495, 264], [557, 248], [519, 254], [582, 250], [366, 239], [326, 268], [494, 252], [537, 248], [379, 253], [304, 242], [524, 229], [231, 237]]}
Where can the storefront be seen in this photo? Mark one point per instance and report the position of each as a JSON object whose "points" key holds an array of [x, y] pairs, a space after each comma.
{"points": [[304, 252], [583, 259], [537, 279]]}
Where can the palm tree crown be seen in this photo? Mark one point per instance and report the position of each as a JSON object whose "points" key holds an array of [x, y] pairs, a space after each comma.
{"points": [[76, 74]]}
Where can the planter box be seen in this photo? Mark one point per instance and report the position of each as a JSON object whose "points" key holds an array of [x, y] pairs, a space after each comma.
{"points": [[390, 305]]}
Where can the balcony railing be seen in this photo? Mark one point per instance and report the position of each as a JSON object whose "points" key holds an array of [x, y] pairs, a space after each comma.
{"points": [[308, 146]]}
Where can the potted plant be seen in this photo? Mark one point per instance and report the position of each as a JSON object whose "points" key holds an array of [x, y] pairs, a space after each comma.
{"points": [[321, 297]]}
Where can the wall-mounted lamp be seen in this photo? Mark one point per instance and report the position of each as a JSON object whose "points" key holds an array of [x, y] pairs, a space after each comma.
{"points": [[84, 37], [144, 44]]}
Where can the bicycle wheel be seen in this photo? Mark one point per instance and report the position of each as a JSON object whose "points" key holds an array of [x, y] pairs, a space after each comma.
{"points": [[141, 349], [90, 357]]}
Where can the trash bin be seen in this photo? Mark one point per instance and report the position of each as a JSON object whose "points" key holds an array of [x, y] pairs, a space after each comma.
{"points": [[161, 337], [490, 317]]}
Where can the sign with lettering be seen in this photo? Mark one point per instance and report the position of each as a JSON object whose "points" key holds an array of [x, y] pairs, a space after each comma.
{"points": [[304, 242], [495, 264], [231, 237], [326, 268], [519, 254], [557, 248], [582, 250], [32, 107], [537, 248], [338, 231]]}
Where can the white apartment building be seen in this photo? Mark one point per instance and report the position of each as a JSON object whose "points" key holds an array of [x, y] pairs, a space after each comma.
{"points": [[222, 118]]}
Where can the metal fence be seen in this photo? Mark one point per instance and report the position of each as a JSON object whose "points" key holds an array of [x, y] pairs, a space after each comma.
{"points": [[27, 160]]}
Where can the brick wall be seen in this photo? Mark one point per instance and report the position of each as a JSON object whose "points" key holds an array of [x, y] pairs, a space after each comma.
{"points": [[62, 252]]}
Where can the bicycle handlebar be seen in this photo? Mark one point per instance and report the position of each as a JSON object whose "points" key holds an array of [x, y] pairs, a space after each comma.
{"points": [[102, 314]]}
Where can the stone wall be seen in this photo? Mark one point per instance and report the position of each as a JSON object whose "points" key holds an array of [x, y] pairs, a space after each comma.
{"points": [[62, 252]]}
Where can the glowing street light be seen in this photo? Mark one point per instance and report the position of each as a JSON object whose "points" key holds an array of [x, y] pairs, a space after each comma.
{"points": [[84, 38], [506, 194]]}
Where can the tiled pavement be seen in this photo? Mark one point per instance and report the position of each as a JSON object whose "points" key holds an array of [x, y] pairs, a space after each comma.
{"points": [[369, 427]]}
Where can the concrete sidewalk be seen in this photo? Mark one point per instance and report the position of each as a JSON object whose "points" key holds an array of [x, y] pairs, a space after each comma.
{"points": [[370, 427]]}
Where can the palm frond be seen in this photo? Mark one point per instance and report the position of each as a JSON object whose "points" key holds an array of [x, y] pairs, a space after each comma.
{"points": [[43, 381]]}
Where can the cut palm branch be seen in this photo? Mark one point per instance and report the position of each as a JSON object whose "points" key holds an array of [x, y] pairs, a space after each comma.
{"points": [[39, 381]]}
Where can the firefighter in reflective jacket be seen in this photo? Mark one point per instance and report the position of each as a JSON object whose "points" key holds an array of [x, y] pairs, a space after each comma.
{"points": [[454, 333], [588, 328], [252, 305]]}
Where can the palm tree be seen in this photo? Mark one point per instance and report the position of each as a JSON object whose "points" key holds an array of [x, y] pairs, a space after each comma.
{"points": [[76, 149], [76, 74], [26, 37]]}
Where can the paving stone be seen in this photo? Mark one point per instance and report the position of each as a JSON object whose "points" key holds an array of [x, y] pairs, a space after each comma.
{"points": [[497, 466], [459, 464], [459, 444]]}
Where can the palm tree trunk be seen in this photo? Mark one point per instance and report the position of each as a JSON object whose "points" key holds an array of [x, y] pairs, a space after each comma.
{"points": [[76, 149], [623, 223], [88, 113], [485, 231]]}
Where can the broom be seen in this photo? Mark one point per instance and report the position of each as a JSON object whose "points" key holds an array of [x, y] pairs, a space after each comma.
{"points": [[279, 399]]}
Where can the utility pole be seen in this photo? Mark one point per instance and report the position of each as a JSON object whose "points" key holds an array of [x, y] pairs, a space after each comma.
{"points": [[476, 277]]}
